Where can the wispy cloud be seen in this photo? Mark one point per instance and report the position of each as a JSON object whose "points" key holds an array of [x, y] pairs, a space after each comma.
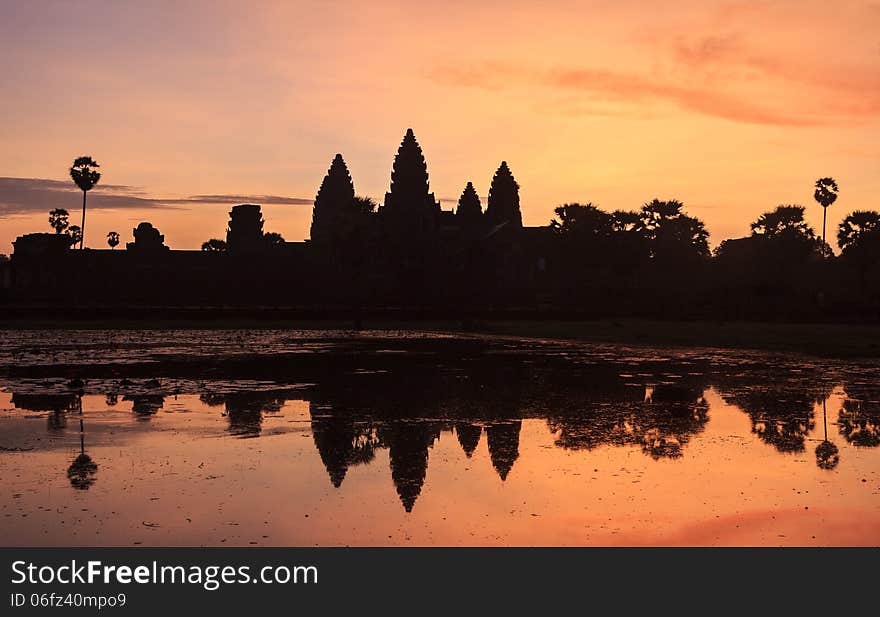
{"points": [[29, 195], [241, 199], [632, 88], [718, 76]]}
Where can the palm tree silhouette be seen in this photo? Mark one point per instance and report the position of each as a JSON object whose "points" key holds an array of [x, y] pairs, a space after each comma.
{"points": [[826, 194], [113, 239], [83, 174], [59, 219]]}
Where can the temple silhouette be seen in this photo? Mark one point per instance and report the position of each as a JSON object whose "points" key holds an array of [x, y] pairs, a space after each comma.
{"points": [[407, 251], [408, 255]]}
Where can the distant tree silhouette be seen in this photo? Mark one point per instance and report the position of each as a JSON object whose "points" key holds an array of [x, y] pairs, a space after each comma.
{"points": [[860, 231], [214, 245], [273, 239], [3, 258], [774, 270], [59, 220], [503, 203], [582, 222], [469, 212], [83, 174], [113, 239], [584, 233], [825, 194], [75, 234], [625, 221], [629, 245], [787, 230], [785, 220], [365, 205], [671, 233]]}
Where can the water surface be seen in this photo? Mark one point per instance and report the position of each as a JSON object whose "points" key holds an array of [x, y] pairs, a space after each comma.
{"points": [[404, 438]]}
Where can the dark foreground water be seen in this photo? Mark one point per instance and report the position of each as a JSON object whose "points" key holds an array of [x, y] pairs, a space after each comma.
{"points": [[387, 438]]}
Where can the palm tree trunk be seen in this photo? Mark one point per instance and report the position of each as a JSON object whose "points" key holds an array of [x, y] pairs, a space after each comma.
{"points": [[82, 228], [824, 216]]}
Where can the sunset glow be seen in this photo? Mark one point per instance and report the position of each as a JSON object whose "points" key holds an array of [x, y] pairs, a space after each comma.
{"points": [[730, 107]]}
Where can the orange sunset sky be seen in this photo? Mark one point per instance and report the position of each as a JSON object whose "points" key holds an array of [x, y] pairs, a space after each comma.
{"points": [[191, 107]]}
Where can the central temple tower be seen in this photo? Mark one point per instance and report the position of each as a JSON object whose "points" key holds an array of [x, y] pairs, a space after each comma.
{"points": [[410, 207]]}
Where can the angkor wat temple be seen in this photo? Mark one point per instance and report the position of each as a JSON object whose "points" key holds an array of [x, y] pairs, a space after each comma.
{"points": [[408, 256], [408, 252]]}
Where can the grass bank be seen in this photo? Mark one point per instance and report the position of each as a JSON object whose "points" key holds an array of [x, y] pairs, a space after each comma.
{"points": [[825, 340]]}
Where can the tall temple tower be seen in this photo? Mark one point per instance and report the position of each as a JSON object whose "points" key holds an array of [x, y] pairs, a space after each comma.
{"points": [[409, 206], [469, 212], [334, 203], [503, 205], [245, 231]]}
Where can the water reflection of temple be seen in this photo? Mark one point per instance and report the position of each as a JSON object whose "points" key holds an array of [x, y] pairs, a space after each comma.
{"points": [[407, 403], [502, 439]]}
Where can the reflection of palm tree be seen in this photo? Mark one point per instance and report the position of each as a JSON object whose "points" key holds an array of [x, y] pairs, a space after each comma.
{"points": [[82, 470], [827, 456]]}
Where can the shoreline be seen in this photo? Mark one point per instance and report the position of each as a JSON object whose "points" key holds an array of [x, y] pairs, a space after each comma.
{"points": [[821, 340]]}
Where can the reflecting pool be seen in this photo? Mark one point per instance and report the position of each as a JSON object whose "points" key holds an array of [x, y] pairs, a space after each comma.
{"points": [[227, 437]]}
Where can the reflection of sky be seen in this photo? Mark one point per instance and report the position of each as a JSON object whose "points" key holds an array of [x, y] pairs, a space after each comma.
{"points": [[732, 108], [187, 473]]}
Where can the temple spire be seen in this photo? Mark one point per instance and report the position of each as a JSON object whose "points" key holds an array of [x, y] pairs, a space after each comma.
{"points": [[334, 201], [409, 201], [469, 212], [503, 205], [503, 441]]}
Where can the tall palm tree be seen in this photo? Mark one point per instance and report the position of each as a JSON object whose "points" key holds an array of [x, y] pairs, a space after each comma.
{"points": [[826, 194], [83, 174]]}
